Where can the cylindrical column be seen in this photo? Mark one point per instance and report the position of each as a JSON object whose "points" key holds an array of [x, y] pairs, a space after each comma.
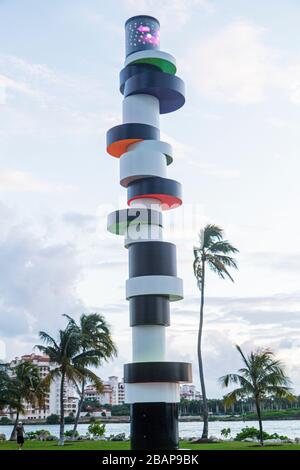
{"points": [[148, 343], [141, 108], [150, 88]]}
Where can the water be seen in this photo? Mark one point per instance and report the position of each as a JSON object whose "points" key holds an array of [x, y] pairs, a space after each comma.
{"points": [[186, 429]]}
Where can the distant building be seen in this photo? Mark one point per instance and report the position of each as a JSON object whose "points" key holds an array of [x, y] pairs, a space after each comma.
{"points": [[52, 402], [104, 398], [189, 392], [113, 393], [101, 413]]}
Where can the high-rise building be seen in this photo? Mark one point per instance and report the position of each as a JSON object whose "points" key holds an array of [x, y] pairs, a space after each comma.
{"points": [[189, 392], [113, 393], [52, 401]]}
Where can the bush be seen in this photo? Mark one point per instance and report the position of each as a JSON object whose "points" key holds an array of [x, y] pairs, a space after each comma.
{"points": [[5, 420], [69, 419], [30, 435], [90, 405], [51, 438], [70, 433], [37, 434], [253, 433], [225, 432], [120, 410], [52, 419], [96, 429]]}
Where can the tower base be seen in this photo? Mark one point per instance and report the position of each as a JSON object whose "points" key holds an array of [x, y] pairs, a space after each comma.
{"points": [[154, 426]]}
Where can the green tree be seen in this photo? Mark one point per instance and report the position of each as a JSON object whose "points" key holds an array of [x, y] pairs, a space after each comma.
{"points": [[71, 364], [96, 429], [96, 345], [26, 386], [214, 252], [90, 405], [7, 390], [261, 377], [52, 419]]}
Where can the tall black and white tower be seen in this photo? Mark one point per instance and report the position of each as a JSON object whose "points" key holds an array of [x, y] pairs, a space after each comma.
{"points": [[150, 88]]}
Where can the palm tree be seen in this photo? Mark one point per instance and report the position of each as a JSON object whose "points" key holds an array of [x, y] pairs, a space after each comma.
{"points": [[261, 377], [71, 364], [95, 339], [9, 392], [5, 386], [214, 252], [25, 386]]}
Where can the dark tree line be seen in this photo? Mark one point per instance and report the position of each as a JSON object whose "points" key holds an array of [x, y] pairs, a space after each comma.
{"points": [[217, 406]]}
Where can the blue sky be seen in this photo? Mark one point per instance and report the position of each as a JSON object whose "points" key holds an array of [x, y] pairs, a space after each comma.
{"points": [[236, 145]]}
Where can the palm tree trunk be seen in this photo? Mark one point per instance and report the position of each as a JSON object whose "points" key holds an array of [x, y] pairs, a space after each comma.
{"points": [[62, 411], [12, 436], [261, 440], [200, 363], [79, 409]]}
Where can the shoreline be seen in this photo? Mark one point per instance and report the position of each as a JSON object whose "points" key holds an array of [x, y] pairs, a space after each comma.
{"points": [[183, 419]]}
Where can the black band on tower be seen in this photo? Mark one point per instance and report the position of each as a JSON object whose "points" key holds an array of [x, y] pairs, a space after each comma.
{"points": [[167, 88], [118, 138], [154, 426], [149, 310], [136, 372], [152, 258], [133, 69], [166, 190]]}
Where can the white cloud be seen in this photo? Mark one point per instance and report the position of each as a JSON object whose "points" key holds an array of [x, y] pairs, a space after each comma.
{"points": [[38, 282], [18, 86], [236, 65], [186, 152], [172, 14], [36, 99], [270, 321], [19, 181], [292, 83], [233, 65], [210, 169]]}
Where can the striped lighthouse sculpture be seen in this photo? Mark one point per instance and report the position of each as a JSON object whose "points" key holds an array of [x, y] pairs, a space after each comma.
{"points": [[150, 88]]}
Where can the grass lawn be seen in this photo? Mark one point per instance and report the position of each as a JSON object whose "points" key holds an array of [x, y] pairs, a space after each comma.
{"points": [[107, 445]]}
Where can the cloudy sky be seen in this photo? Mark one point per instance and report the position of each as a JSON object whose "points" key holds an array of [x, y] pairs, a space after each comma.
{"points": [[236, 147]]}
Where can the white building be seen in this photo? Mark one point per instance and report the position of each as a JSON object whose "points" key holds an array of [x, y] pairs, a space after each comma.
{"points": [[104, 398], [189, 392], [113, 393], [52, 402]]}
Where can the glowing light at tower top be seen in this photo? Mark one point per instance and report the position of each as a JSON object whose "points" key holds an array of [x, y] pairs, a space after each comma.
{"points": [[142, 32]]}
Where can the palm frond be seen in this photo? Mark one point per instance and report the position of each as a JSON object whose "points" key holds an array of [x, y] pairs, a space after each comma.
{"points": [[211, 234], [280, 392], [46, 338], [230, 379], [218, 267], [245, 359], [227, 261], [52, 375], [231, 397], [262, 376], [222, 246], [93, 378]]}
